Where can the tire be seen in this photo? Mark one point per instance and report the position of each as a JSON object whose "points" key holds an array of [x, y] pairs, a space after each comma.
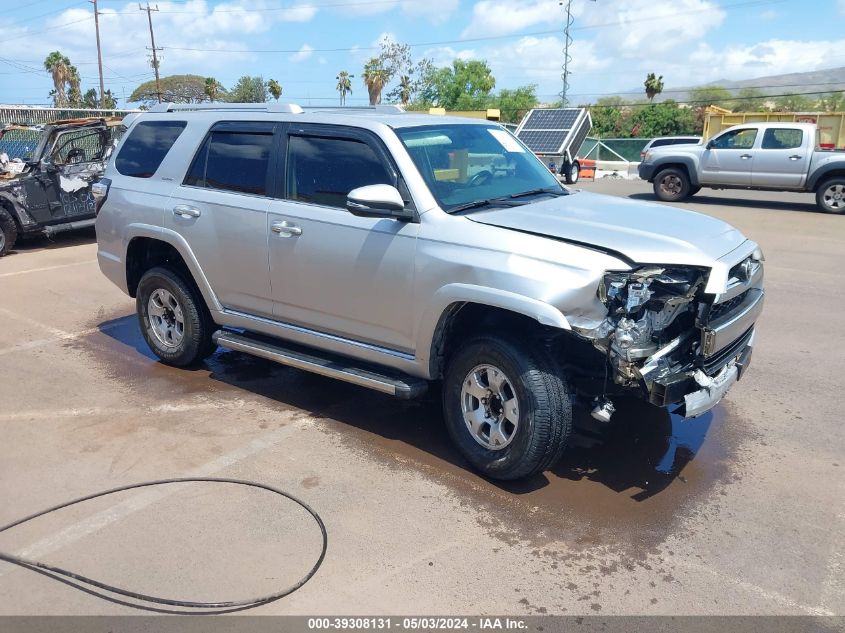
{"points": [[573, 173], [174, 319], [672, 185], [542, 411], [830, 196], [693, 191], [8, 232]]}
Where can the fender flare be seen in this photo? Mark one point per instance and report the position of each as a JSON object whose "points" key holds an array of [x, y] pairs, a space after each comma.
{"points": [[449, 295], [686, 161], [823, 172], [168, 236]]}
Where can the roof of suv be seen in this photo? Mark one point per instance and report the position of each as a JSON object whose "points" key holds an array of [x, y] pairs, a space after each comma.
{"points": [[392, 116]]}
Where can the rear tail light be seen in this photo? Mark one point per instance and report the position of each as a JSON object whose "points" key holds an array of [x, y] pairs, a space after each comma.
{"points": [[100, 191]]}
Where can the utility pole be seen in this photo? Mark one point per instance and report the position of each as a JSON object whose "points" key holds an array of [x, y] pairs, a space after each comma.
{"points": [[567, 42], [153, 48], [99, 52]]}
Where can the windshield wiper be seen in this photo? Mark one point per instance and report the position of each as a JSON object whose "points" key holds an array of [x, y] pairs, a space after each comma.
{"points": [[534, 192], [476, 204]]}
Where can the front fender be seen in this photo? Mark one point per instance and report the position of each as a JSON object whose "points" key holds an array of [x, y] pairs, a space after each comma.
{"points": [[451, 294], [688, 162]]}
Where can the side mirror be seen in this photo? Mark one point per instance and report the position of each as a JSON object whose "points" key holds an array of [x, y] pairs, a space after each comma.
{"points": [[710, 144], [377, 201]]}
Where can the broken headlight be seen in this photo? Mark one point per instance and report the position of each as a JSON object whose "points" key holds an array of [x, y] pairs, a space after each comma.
{"points": [[631, 292]]}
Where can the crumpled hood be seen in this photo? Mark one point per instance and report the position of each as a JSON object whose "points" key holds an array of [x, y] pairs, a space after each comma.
{"points": [[643, 232]]}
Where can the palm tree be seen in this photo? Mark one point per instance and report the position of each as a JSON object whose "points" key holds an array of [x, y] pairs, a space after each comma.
{"points": [[375, 78], [212, 88], [405, 89], [653, 86], [74, 93], [275, 88], [344, 85], [59, 67]]}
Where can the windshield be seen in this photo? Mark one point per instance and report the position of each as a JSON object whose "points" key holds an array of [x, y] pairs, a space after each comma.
{"points": [[465, 163]]}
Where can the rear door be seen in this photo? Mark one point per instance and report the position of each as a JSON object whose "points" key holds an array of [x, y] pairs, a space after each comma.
{"points": [[783, 158], [729, 158], [221, 210]]}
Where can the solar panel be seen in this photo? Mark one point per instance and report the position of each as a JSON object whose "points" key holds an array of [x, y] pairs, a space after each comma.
{"points": [[542, 141], [562, 119], [548, 130]]}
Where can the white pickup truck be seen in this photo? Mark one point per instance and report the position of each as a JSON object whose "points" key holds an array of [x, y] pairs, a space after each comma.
{"points": [[767, 156]]}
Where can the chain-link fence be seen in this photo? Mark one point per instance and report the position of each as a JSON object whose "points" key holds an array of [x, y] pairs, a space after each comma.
{"points": [[613, 149], [26, 115]]}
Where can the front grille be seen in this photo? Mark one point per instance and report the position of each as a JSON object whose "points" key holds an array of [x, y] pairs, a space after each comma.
{"points": [[721, 309]]}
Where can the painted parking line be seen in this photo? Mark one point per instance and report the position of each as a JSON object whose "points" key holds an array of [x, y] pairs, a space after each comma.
{"points": [[46, 268]]}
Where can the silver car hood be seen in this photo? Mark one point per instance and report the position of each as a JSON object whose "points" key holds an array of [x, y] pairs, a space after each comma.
{"points": [[642, 232]]}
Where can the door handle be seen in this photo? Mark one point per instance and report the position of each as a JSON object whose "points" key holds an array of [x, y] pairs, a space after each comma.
{"points": [[745, 156], [285, 229], [795, 157], [186, 211]]}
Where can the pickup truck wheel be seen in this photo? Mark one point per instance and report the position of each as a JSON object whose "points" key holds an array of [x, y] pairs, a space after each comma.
{"points": [[8, 232], [506, 408], [830, 196], [173, 317], [672, 185]]}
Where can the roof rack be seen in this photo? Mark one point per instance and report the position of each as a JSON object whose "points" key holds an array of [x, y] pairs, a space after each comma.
{"points": [[289, 108]]}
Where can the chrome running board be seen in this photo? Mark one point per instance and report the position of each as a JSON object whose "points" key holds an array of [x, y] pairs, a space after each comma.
{"points": [[399, 385]]}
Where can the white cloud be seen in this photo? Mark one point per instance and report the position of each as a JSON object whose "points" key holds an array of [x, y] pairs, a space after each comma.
{"points": [[435, 11], [769, 15], [500, 17], [302, 54]]}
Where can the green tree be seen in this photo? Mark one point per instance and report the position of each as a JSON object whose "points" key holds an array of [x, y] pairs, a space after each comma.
{"points": [[611, 118], [275, 89], [795, 103], [704, 96], [89, 99], [74, 92], [653, 86], [174, 89], [515, 103], [465, 85], [344, 85], [59, 67], [249, 90], [748, 100], [663, 119], [833, 102], [405, 88]]}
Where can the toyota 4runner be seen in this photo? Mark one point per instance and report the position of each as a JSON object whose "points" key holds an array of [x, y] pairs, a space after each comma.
{"points": [[393, 250]]}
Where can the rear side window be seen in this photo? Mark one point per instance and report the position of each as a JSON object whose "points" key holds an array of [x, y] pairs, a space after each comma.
{"points": [[146, 146], [233, 161], [324, 170], [782, 138], [661, 142]]}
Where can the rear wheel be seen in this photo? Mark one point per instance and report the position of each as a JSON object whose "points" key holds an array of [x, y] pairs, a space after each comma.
{"points": [[830, 196], [672, 185], [174, 319], [573, 173], [8, 232], [506, 407]]}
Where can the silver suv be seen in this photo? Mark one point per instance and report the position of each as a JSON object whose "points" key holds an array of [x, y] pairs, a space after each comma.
{"points": [[396, 250]]}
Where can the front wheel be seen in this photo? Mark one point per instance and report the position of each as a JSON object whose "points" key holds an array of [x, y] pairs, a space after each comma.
{"points": [[506, 407], [8, 232], [672, 185], [573, 173], [830, 196], [173, 317]]}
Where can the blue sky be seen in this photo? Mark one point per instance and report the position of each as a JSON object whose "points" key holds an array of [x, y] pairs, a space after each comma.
{"points": [[616, 42]]}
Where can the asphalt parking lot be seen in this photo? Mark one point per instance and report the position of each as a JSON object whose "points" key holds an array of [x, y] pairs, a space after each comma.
{"points": [[741, 511]]}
